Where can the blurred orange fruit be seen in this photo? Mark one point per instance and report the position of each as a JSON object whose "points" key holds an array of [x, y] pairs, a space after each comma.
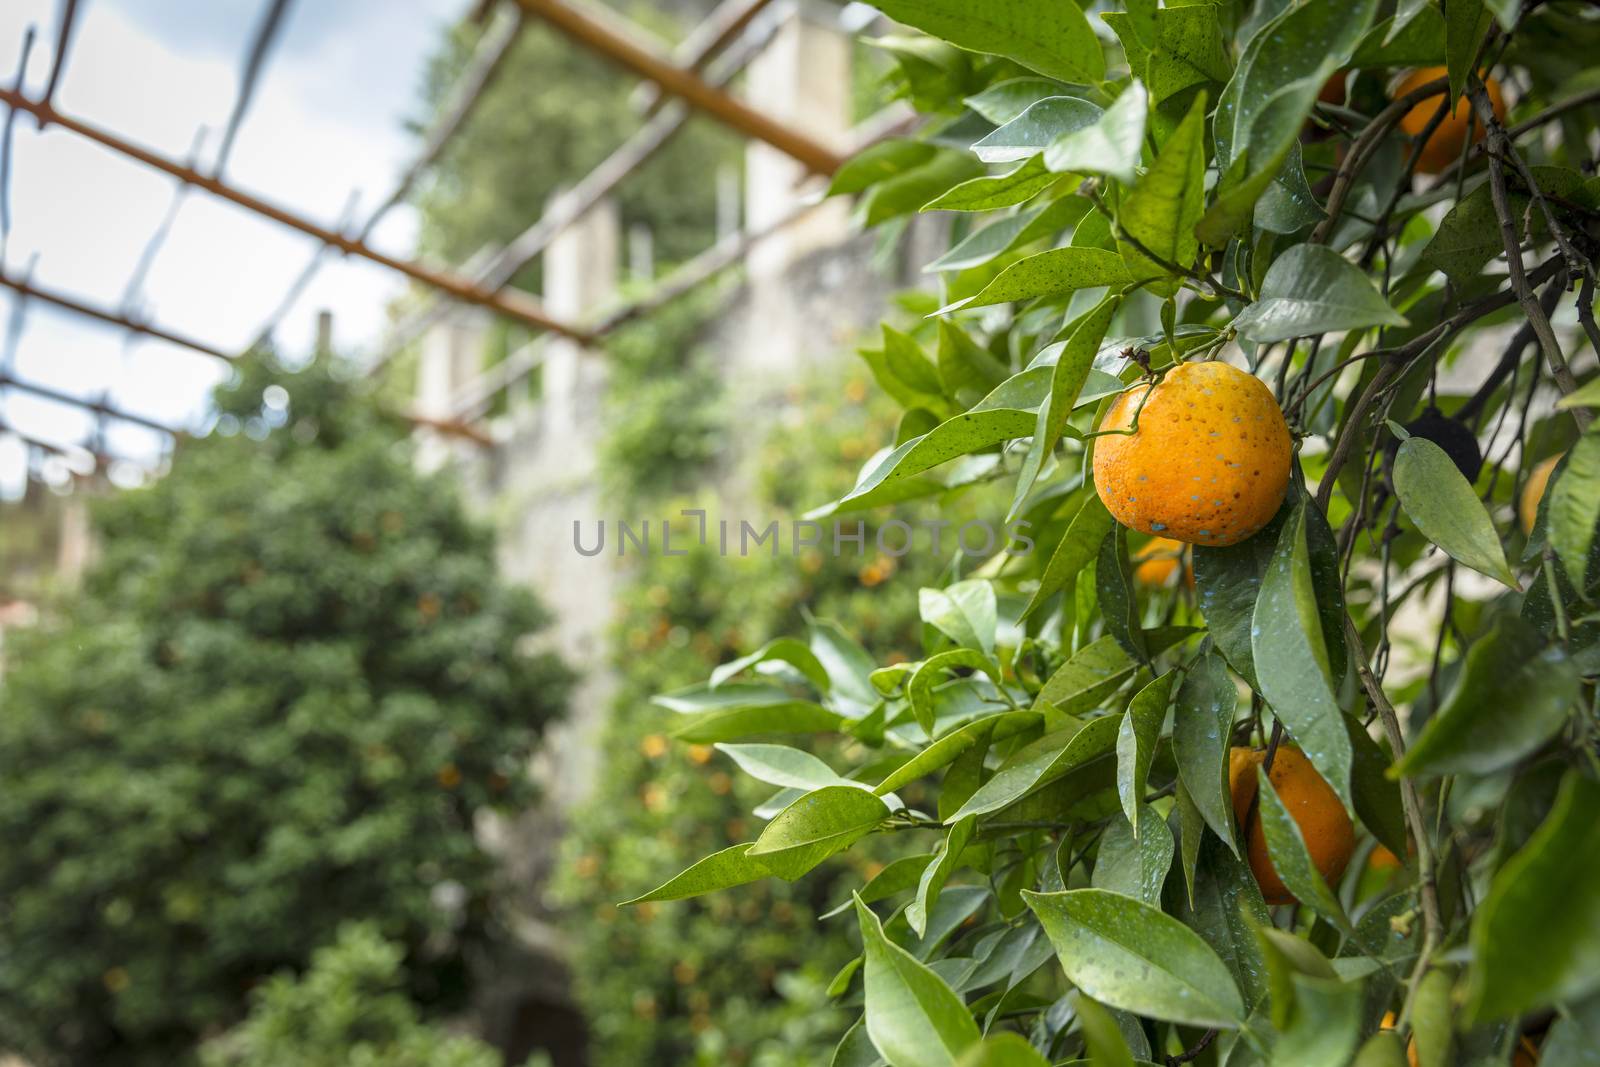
{"points": [[1533, 492], [1316, 809], [1158, 560], [1445, 144], [1208, 461]]}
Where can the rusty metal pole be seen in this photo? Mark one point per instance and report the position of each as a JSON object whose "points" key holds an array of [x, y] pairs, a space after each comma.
{"points": [[684, 84], [508, 302]]}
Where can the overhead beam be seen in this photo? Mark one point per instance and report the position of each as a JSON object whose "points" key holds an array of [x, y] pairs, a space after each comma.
{"points": [[507, 302], [720, 28], [44, 392], [29, 291], [684, 84]]}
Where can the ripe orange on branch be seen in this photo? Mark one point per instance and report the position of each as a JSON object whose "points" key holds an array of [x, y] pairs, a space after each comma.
{"points": [[1329, 835], [1444, 145], [1202, 456]]}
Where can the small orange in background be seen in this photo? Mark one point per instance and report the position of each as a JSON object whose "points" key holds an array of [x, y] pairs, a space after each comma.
{"points": [[1208, 463], [1329, 835], [1533, 492], [1159, 560], [1445, 144], [1525, 1055], [1383, 860]]}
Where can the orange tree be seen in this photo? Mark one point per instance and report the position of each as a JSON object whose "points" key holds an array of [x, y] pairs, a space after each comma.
{"points": [[1294, 285]]}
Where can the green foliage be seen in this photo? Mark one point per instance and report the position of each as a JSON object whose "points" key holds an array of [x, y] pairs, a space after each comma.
{"points": [[350, 1009], [290, 684], [1049, 770]]}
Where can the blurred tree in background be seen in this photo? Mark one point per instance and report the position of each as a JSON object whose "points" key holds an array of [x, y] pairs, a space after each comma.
{"points": [[350, 1009], [287, 688]]}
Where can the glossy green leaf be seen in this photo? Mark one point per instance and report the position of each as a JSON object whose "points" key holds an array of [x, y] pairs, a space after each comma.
{"points": [[1004, 1050], [1382, 1049], [1188, 51], [1111, 145], [912, 1017], [879, 163], [988, 193], [1113, 586], [1136, 744], [1286, 847], [1536, 938], [920, 689], [1320, 1021], [848, 665], [1099, 669], [783, 649], [1046, 759], [1131, 956], [1004, 101], [937, 873], [1163, 208], [1053, 39], [1574, 508], [1072, 367], [816, 826], [737, 710], [1433, 1019], [1375, 793], [722, 870], [1076, 549], [947, 748], [906, 193], [1228, 584], [1135, 866], [1053, 273], [1106, 1045], [1465, 23], [1031, 132], [1445, 507], [900, 875], [1291, 657], [1513, 694], [963, 612], [1226, 912], [1311, 290], [1202, 733]]}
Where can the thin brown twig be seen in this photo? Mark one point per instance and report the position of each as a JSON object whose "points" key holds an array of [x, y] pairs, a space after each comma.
{"points": [[1362, 148]]}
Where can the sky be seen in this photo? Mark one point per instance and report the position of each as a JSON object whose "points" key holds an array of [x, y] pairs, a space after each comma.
{"points": [[327, 120]]}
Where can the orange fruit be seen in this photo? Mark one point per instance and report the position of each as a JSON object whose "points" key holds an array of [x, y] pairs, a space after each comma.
{"points": [[1526, 1054], [1383, 860], [1444, 145], [1208, 461], [1533, 492], [1159, 560], [1329, 835]]}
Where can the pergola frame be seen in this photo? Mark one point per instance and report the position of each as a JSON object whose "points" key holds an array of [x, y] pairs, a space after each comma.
{"points": [[681, 77]]}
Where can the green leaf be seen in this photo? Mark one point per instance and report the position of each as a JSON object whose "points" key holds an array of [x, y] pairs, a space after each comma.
{"points": [[1443, 504], [1076, 549], [1574, 508], [1113, 585], [783, 649], [1414, 37], [783, 766], [947, 748], [1004, 101], [1228, 583], [1016, 186], [1291, 657], [1135, 865], [906, 193], [1287, 849], [1536, 938], [1227, 911], [1053, 273], [848, 665], [1073, 364], [1003, 1050], [1163, 208], [1376, 794], [1465, 23], [1103, 1037], [1311, 290], [937, 873], [816, 826], [1191, 834], [1320, 1020], [1202, 732], [1382, 1049], [1513, 694], [721, 870], [1433, 1019], [879, 163], [963, 612], [1098, 669], [1110, 146], [1468, 236], [1188, 51], [964, 365], [998, 238], [1265, 104], [1053, 39], [1132, 956], [737, 710], [1047, 759], [1031, 132], [1136, 744], [900, 875], [913, 1018], [920, 689], [855, 1048]]}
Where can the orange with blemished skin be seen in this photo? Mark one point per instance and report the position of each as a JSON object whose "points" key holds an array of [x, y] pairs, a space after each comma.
{"points": [[1208, 463], [1444, 145], [1329, 835]]}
